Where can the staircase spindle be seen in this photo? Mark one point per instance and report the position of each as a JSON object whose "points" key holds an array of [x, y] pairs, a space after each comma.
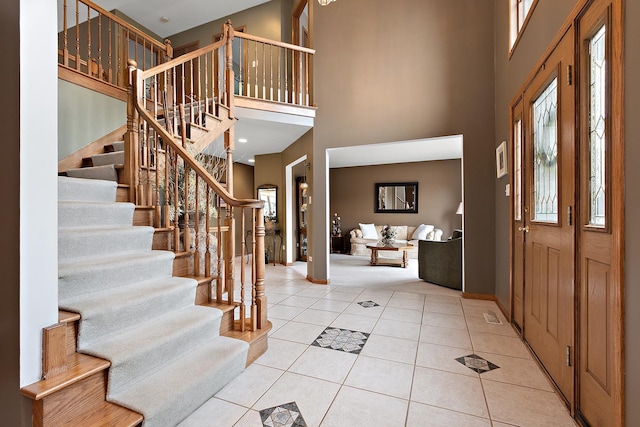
{"points": [[196, 253], [243, 313], [221, 240], [89, 58], [77, 35], [65, 50], [207, 252]]}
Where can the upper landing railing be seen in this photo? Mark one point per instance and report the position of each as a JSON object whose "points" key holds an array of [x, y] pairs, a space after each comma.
{"points": [[95, 43]]}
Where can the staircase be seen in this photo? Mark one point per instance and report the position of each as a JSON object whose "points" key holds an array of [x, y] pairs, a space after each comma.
{"points": [[166, 354]]}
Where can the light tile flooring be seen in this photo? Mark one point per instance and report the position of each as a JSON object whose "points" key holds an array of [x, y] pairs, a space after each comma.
{"points": [[406, 373]]}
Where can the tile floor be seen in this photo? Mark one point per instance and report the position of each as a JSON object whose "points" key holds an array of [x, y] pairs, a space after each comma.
{"points": [[379, 347]]}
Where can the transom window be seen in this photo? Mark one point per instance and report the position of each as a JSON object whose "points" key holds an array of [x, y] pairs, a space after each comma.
{"points": [[520, 10]]}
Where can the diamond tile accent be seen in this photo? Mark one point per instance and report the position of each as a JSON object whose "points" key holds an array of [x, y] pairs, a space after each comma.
{"points": [[286, 415], [341, 340], [477, 363], [368, 304]]}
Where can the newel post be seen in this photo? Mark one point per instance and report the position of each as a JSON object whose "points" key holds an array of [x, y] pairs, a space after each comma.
{"points": [[131, 165], [261, 298]]}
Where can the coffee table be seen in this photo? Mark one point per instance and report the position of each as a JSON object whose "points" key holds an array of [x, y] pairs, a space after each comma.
{"points": [[377, 247]]}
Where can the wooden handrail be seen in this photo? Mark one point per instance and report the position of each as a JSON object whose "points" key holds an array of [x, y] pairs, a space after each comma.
{"points": [[193, 163], [258, 39], [182, 59]]}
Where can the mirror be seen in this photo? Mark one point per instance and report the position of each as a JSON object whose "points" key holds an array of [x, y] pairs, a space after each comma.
{"points": [[269, 194], [399, 197]]}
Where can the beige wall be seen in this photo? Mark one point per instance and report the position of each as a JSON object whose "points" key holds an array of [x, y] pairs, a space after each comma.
{"points": [[390, 71], [439, 193]]}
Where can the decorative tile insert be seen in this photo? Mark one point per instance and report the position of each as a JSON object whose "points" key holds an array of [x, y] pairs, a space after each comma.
{"points": [[341, 340], [477, 363], [287, 415], [368, 304]]}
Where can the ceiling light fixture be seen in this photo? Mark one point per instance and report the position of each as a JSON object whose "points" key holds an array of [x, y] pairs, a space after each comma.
{"points": [[251, 160], [242, 140], [325, 2], [165, 19]]}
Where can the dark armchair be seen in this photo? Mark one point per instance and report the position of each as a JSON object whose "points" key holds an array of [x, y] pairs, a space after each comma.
{"points": [[440, 262]]}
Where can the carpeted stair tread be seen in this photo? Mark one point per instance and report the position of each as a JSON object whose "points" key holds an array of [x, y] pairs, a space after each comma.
{"points": [[169, 395], [146, 347], [102, 159], [93, 274], [79, 243], [105, 172], [108, 311], [91, 214], [118, 145], [86, 190]]}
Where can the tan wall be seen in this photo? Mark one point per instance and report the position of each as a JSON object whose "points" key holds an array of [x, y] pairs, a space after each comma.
{"points": [[10, 217], [242, 189], [265, 20], [390, 71], [439, 193]]}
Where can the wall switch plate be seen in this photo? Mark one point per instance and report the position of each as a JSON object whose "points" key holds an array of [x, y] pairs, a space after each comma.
{"points": [[507, 190], [310, 258], [309, 200]]}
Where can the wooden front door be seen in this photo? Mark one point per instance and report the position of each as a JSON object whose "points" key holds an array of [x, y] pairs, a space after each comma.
{"points": [[548, 231]]}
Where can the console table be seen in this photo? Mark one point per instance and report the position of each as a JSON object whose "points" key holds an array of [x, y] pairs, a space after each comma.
{"points": [[376, 247]]}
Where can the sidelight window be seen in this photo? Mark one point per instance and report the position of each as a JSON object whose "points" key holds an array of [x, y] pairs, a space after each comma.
{"points": [[597, 128]]}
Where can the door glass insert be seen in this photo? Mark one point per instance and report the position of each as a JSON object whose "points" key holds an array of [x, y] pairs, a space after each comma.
{"points": [[597, 135], [545, 155], [517, 166]]}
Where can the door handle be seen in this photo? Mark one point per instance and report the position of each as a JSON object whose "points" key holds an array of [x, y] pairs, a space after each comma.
{"points": [[525, 228]]}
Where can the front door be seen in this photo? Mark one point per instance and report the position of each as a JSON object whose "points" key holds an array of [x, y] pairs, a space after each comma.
{"points": [[549, 240]]}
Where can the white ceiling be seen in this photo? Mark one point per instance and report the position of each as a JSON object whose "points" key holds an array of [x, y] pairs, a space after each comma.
{"points": [[268, 132], [182, 14], [418, 150]]}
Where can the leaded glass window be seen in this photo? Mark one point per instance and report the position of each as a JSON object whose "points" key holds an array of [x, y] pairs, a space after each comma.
{"points": [[597, 129], [517, 166], [545, 155]]}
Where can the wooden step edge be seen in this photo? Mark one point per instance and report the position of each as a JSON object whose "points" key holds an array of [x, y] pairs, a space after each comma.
{"points": [[81, 366], [67, 316], [159, 230], [184, 254], [224, 307], [119, 167], [127, 186], [202, 279], [145, 207], [247, 335], [105, 415]]}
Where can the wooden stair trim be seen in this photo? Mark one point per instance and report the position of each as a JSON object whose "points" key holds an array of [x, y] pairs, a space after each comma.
{"points": [[257, 339], [74, 160], [80, 366], [67, 316], [106, 415], [220, 306]]}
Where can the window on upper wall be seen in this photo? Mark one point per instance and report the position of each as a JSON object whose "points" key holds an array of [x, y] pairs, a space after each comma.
{"points": [[520, 11]]}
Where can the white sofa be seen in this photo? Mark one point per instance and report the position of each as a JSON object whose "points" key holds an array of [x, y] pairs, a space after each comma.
{"points": [[406, 234]]}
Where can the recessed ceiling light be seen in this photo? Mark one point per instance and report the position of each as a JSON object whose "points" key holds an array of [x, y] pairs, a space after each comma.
{"points": [[164, 19], [242, 140], [251, 160]]}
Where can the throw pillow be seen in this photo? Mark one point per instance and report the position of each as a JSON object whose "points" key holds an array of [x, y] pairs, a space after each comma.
{"points": [[422, 231], [368, 231]]}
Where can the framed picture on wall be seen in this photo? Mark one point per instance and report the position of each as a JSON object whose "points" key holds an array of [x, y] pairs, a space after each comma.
{"points": [[501, 159]]}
